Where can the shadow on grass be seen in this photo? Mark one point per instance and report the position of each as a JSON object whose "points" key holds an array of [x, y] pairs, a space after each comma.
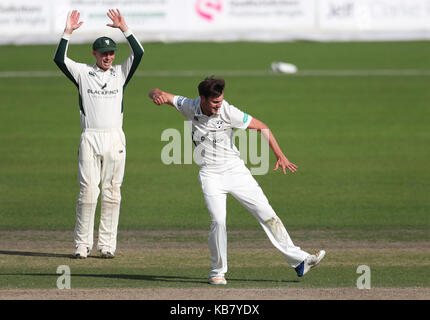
{"points": [[36, 254], [146, 277], [142, 277], [43, 254]]}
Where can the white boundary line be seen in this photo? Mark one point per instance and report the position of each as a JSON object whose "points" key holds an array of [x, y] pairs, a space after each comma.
{"points": [[238, 73]]}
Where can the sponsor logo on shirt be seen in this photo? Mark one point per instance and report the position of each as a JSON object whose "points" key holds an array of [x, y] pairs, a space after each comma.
{"points": [[180, 101], [103, 92], [91, 73], [112, 73]]}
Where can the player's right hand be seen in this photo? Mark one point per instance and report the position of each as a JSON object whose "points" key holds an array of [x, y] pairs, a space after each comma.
{"points": [[159, 99], [72, 22]]}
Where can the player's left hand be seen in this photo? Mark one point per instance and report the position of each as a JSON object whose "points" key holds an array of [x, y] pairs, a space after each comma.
{"points": [[118, 20], [285, 164]]}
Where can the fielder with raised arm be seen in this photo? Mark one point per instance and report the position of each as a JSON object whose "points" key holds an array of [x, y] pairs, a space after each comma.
{"points": [[222, 171], [102, 145]]}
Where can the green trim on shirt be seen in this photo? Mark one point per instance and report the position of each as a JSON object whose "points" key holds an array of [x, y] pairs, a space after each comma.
{"points": [[59, 58], [138, 53], [245, 117]]}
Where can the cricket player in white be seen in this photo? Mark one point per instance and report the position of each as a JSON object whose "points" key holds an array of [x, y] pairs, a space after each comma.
{"points": [[102, 145], [222, 171]]}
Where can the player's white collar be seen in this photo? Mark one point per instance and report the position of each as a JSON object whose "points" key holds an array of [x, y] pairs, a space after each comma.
{"points": [[199, 108], [97, 68], [200, 111]]}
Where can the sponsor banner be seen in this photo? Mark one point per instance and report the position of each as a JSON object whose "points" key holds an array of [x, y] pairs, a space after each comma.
{"points": [[24, 16], [268, 15], [190, 20], [43, 21], [233, 20], [374, 15], [149, 16]]}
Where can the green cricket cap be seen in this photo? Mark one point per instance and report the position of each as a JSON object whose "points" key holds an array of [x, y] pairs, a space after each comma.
{"points": [[104, 44]]}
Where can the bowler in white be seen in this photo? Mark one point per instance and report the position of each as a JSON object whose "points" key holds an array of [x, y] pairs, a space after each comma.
{"points": [[222, 171]]}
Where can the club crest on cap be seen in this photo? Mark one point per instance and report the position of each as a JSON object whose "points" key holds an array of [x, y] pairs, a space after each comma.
{"points": [[104, 44]]}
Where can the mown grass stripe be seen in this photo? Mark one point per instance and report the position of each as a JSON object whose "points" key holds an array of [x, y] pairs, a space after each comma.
{"points": [[239, 73]]}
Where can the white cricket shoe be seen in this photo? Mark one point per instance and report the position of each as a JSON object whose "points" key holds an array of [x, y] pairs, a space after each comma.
{"points": [[81, 252], [106, 253], [309, 263], [217, 280]]}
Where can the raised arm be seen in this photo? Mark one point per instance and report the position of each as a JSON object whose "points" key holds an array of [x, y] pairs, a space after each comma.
{"points": [[160, 97], [66, 65], [282, 160], [129, 66]]}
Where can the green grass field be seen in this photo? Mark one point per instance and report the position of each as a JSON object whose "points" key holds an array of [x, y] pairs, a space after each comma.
{"points": [[361, 142]]}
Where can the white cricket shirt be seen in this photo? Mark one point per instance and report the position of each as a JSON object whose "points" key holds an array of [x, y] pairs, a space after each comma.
{"points": [[213, 136], [100, 92]]}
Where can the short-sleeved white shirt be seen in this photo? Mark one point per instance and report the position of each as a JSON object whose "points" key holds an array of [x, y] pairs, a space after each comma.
{"points": [[213, 136]]}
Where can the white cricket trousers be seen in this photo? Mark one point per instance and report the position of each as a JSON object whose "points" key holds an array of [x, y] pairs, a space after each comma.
{"points": [[101, 162], [239, 182]]}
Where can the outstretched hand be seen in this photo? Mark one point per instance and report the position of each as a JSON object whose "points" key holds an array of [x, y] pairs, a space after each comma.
{"points": [[72, 22], [118, 20], [285, 164], [158, 97]]}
